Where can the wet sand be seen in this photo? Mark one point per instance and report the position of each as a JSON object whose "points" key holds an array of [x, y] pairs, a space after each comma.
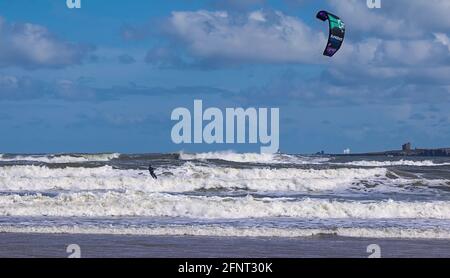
{"points": [[124, 246]]}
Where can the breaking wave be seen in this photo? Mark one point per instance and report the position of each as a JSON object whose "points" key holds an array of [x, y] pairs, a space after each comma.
{"points": [[72, 158], [131, 203], [401, 162], [254, 158], [190, 177], [224, 194]]}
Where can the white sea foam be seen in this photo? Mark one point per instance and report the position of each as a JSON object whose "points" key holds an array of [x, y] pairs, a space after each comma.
{"points": [[103, 192], [401, 162], [61, 158], [130, 203], [237, 232], [253, 158], [190, 177]]}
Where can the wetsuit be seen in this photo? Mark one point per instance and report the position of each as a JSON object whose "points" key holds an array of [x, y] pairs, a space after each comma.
{"points": [[152, 172]]}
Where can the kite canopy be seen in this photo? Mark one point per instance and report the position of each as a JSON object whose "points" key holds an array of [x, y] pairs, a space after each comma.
{"points": [[337, 32]]}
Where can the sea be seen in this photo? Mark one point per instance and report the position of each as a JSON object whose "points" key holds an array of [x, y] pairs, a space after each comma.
{"points": [[226, 194]]}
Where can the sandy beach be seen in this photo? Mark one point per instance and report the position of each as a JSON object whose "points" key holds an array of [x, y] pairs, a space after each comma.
{"points": [[122, 246]]}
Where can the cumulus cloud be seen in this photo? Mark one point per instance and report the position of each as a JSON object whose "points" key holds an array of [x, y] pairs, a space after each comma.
{"points": [[391, 38], [32, 46], [396, 19], [395, 52], [390, 54], [267, 37], [370, 22], [425, 15]]}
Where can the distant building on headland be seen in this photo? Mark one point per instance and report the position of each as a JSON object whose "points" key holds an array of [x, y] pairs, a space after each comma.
{"points": [[406, 147], [406, 150]]}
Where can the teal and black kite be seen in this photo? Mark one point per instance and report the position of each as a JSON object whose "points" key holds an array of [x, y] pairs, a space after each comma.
{"points": [[336, 34]]}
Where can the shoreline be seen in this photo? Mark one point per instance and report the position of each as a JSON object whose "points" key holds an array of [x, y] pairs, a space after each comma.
{"points": [[32, 245]]}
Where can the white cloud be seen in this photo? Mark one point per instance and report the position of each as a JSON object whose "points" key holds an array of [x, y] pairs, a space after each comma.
{"points": [[389, 43], [396, 19], [394, 52], [429, 14], [359, 18], [255, 37], [32, 46], [443, 39], [273, 37], [257, 16]]}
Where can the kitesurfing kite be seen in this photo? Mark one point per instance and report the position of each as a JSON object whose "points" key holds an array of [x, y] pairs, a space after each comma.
{"points": [[337, 32]]}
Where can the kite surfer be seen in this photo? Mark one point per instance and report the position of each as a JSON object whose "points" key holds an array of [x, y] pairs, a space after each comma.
{"points": [[152, 172]]}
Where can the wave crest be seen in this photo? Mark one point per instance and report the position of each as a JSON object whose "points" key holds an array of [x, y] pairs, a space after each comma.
{"points": [[188, 177], [254, 158], [63, 158], [130, 203], [402, 162]]}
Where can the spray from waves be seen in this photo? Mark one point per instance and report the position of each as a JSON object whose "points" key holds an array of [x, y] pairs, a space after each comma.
{"points": [[254, 158], [138, 204], [189, 177], [237, 232], [63, 158], [401, 162]]}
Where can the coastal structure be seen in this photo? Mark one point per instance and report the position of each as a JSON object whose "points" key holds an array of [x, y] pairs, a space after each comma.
{"points": [[406, 150], [406, 147]]}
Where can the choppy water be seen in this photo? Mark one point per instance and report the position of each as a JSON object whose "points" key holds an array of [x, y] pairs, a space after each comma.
{"points": [[226, 194]]}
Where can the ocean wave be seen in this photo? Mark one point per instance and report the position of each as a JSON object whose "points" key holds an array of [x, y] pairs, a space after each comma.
{"points": [[63, 158], [218, 231], [190, 177], [401, 162], [130, 203], [253, 158]]}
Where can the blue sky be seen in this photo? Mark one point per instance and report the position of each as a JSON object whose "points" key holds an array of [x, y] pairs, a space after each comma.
{"points": [[106, 77]]}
